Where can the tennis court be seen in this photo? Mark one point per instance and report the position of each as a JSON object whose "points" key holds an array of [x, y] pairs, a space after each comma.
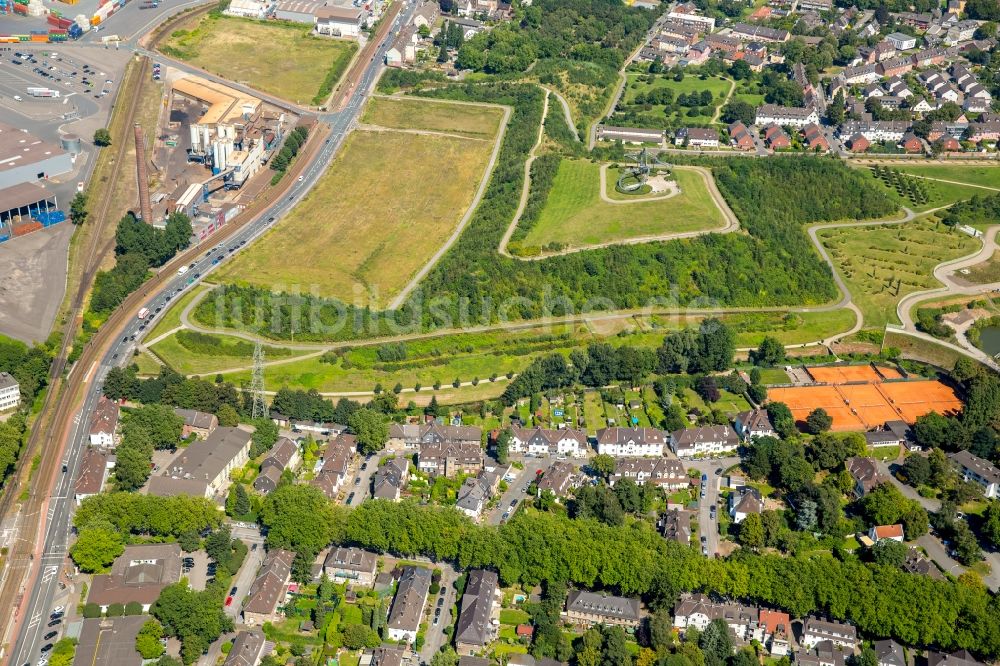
{"points": [[842, 374], [888, 373], [867, 406]]}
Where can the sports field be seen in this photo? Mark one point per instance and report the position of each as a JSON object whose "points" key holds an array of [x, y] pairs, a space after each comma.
{"points": [[386, 204], [868, 405], [476, 121], [883, 263], [843, 374], [575, 216], [283, 59]]}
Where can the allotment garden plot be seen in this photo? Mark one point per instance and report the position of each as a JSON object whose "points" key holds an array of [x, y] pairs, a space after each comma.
{"points": [[388, 202]]}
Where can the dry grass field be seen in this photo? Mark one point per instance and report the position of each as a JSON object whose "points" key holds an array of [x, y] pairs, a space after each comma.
{"points": [[386, 204], [282, 59], [480, 122]]}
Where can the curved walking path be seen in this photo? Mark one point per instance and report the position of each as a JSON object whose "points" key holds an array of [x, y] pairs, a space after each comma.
{"points": [[400, 298], [729, 96], [366, 127], [566, 112], [526, 185], [953, 182], [732, 223]]}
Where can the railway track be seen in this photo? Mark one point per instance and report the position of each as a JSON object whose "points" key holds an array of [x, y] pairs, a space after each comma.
{"points": [[21, 552]]}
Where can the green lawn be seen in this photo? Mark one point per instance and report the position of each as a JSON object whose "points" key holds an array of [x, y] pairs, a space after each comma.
{"points": [[652, 115], [791, 328], [728, 404], [513, 616], [576, 216], [171, 319], [986, 272], [883, 263], [938, 193], [147, 366], [987, 176], [593, 411], [773, 376], [231, 352]]}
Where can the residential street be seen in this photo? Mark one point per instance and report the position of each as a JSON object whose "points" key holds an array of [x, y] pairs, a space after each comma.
{"points": [[706, 526], [515, 487], [435, 637]]}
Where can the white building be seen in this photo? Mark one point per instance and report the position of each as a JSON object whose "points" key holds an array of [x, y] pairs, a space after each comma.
{"points": [[252, 9], [104, 423], [901, 41], [545, 442], [706, 440], [980, 471], [786, 115], [339, 21], [624, 442], [816, 631], [10, 392]]}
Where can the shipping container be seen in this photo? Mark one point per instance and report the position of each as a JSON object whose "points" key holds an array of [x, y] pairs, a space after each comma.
{"points": [[21, 9], [58, 36], [42, 38]]}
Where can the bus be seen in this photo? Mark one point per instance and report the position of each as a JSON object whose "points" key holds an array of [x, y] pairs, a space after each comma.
{"points": [[143, 312]]}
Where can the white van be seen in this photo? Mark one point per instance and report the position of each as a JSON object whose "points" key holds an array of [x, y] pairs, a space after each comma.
{"points": [[17, 98], [182, 270]]}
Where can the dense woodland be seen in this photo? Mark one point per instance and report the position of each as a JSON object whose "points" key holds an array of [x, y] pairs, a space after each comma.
{"points": [[774, 264]]}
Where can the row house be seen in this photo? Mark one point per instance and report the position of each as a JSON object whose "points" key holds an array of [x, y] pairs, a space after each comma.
{"points": [[724, 43], [984, 131], [816, 630], [698, 137], [706, 440], [623, 442], [670, 44], [625, 135], [450, 458], [875, 130], [760, 33], [860, 74], [104, 423], [413, 435], [920, 21], [666, 473], [940, 128], [585, 609], [546, 442], [740, 137], [786, 115], [770, 628], [336, 465], [390, 479], [703, 23], [268, 592], [558, 479], [283, 455], [895, 66], [898, 87], [681, 31]]}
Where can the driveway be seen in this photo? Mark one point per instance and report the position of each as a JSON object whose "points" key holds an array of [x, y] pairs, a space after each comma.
{"points": [[515, 487], [435, 637], [706, 526]]}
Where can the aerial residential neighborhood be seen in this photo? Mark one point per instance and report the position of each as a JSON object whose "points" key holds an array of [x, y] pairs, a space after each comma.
{"points": [[500, 333]]}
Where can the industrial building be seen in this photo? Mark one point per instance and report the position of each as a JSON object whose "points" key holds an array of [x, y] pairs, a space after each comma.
{"points": [[227, 137], [25, 158]]}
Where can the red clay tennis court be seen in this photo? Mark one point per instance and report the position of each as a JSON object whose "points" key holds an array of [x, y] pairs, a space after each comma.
{"points": [[868, 406], [842, 374]]}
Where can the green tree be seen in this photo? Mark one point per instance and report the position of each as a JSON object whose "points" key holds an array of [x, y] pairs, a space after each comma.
{"points": [[264, 436], [147, 641], [738, 111], [752, 532], [781, 418], [228, 418], [78, 209], [238, 501], [503, 445], [102, 137], [357, 636], [158, 422], [603, 464], [991, 523], [770, 352], [818, 421], [889, 553], [299, 518], [97, 547], [371, 430], [716, 643], [63, 652], [445, 657]]}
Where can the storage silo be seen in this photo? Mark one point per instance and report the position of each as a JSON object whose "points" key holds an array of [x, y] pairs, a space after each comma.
{"points": [[70, 143]]}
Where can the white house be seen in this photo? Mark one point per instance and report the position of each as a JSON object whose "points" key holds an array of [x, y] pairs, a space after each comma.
{"points": [[901, 41], [10, 392], [408, 604], [981, 471], [754, 423], [887, 533], [815, 630], [786, 115], [104, 423], [339, 21], [545, 442], [706, 440], [621, 442]]}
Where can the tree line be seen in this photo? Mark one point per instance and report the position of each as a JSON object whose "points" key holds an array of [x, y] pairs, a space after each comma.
{"points": [[632, 559]]}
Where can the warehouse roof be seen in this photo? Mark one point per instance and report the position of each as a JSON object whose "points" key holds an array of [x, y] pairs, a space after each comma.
{"points": [[110, 640], [329, 12], [18, 148], [225, 104], [23, 194]]}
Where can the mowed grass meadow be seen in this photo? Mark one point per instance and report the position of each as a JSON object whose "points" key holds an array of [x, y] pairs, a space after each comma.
{"points": [[881, 264], [938, 193], [386, 204], [279, 58], [478, 122], [984, 176], [575, 216]]}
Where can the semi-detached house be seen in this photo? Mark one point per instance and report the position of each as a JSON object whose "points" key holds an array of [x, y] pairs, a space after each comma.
{"points": [[546, 442], [705, 440], [269, 589], [620, 442], [666, 473], [408, 604], [586, 609]]}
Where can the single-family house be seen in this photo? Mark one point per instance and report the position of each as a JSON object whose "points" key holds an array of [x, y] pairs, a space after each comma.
{"points": [[558, 479], [740, 137], [889, 653], [390, 479], [351, 565], [104, 423], [676, 526], [200, 424], [866, 474], [886, 533], [249, 648], [743, 502]]}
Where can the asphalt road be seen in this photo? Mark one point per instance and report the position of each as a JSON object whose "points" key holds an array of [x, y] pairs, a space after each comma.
{"points": [[706, 526], [515, 488], [61, 503], [435, 637]]}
